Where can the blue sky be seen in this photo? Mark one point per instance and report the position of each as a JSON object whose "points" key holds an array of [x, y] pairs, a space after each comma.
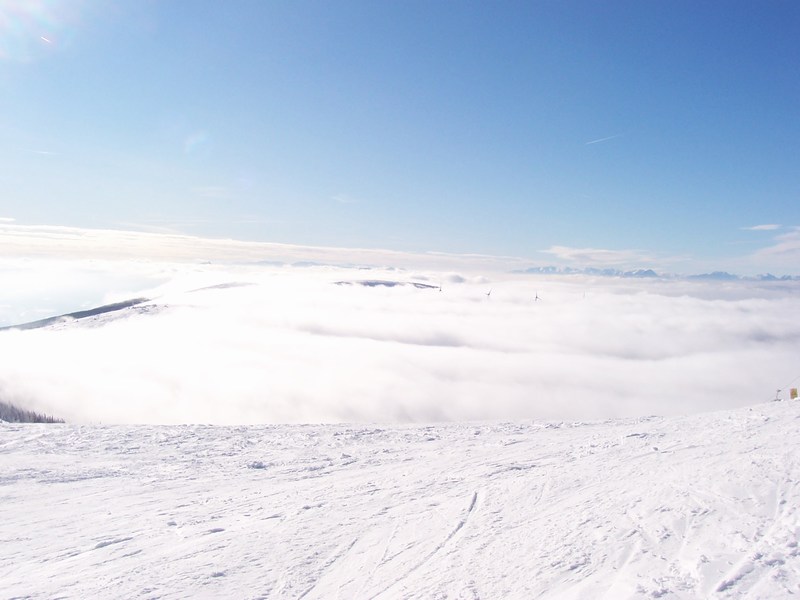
{"points": [[555, 131]]}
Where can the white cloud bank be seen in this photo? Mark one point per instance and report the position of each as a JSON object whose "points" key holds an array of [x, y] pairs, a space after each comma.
{"points": [[291, 346]]}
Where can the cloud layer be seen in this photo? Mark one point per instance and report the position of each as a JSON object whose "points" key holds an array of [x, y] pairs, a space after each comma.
{"points": [[290, 346]]}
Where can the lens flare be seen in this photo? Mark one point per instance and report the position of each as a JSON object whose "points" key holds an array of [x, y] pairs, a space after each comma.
{"points": [[31, 28], [197, 145]]}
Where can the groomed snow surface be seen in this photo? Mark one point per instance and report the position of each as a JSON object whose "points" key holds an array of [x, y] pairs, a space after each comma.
{"points": [[704, 506]]}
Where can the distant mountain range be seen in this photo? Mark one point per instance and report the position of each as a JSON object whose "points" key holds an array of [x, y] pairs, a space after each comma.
{"points": [[651, 274]]}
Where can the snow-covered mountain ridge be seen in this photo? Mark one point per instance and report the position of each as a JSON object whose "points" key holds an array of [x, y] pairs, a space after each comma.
{"points": [[704, 506]]}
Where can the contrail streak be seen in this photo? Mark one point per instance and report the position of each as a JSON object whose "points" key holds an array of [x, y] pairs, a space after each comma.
{"points": [[605, 139]]}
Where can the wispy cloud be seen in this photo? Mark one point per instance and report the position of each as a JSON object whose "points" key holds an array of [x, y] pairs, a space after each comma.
{"points": [[767, 227], [344, 199], [599, 256], [216, 192], [157, 227], [76, 243], [7, 219], [787, 245]]}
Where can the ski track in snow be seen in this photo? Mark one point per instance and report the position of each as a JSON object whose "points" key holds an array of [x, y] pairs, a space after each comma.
{"points": [[703, 506]]}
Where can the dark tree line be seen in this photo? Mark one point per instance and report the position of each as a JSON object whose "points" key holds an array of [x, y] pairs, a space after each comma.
{"points": [[14, 414]]}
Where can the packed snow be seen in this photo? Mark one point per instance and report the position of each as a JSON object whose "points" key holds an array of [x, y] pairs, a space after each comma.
{"points": [[702, 506]]}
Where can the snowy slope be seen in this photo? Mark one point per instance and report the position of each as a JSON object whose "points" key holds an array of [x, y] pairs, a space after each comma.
{"points": [[685, 507]]}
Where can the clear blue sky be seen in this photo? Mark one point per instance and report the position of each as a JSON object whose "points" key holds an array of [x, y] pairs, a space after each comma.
{"points": [[663, 128]]}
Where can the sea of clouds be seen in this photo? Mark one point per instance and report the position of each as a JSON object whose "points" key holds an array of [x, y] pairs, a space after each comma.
{"points": [[263, 343]]}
